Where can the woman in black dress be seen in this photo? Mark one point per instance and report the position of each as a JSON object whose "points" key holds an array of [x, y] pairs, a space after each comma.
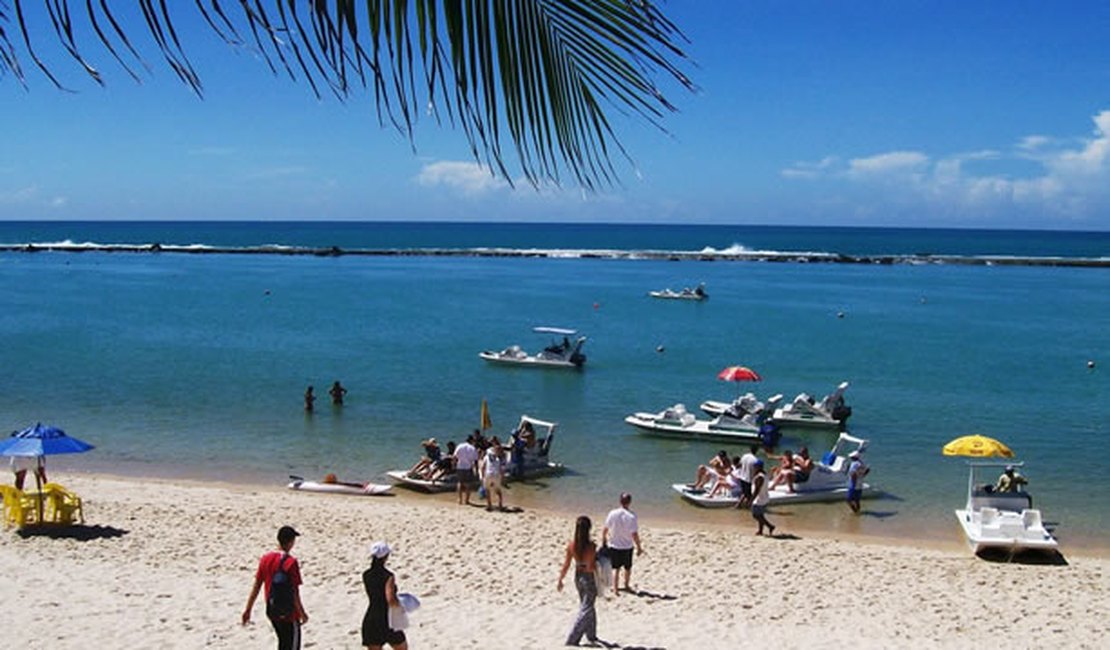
{"points": [[382, 592]]}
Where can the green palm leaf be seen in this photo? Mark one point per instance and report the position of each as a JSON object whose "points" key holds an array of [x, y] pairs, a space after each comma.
{"points": [[535, 75]]}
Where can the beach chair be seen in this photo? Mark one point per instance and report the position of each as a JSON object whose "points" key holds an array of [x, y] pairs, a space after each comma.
{"points": [[20, 509], [65, 506]]}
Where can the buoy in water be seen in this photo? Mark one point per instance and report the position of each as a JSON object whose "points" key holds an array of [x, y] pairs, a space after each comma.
{"points": [[660, 349], [1091, 364], [840, 314]]}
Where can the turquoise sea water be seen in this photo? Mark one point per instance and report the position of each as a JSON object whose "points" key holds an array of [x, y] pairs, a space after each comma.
{"points": [[195, 365]]}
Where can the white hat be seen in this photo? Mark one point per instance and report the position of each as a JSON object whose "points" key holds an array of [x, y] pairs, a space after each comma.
{"points": [[380, 549], [854, 454]]}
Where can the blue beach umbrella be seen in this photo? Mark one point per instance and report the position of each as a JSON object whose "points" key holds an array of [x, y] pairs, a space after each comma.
{"points": [[41, 440], [38, 442]]}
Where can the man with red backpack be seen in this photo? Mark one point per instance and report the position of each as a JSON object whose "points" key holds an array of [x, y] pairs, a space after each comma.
{"points": [[279, 572]]}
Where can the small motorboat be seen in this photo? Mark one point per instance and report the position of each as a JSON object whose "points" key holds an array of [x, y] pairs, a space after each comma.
{"points": [[1001, 520], [677, 422], [697, 293], [523, 460], [746, 404], [559, 354], [339, 487], [830, 413], [827, 482]]}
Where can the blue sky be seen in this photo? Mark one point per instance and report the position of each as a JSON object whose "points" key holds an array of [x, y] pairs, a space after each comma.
{"points": [[948, 114]]}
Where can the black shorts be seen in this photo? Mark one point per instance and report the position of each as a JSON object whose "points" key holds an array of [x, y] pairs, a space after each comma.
{"points": [[621, 558], [467, 478], [746, 489]]}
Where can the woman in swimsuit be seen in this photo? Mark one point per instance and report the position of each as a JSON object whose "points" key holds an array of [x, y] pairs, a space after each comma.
{"points": [[583, 552]]}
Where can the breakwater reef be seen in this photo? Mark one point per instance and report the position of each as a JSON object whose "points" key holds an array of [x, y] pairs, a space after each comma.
{"points": [[801, 257]]}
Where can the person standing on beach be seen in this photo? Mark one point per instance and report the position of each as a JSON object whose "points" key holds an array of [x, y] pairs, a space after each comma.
{"points": [[583, 552], [381, 589], [621, 532], [284, 567], [309, 399], [856, 471], [337, 392], [493, 473], [747, 471], [466, 458], [760, 499]]}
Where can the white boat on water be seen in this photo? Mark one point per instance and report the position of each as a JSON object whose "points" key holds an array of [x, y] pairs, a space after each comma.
{"points": [[830, 413], [677, 422], [746, 404], [521, 461], [566, 353], [1001, 520], [697, 293], [338, 487], [827, 482]]}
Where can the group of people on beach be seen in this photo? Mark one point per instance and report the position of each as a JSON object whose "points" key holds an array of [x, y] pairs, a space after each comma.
{"points": [[278, 577], [480, 462], [745, 478], [337, 391]]}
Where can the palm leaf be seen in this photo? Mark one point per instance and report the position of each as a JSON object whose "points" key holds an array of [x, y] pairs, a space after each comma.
{"points": [[539, 76]]}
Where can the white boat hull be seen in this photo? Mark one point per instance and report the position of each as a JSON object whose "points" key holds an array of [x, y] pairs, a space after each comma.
{"points": [[528, 361], [788, 418], [650, 424], [369, 489], [1009, 531], [779, 496], [450, 483], [678, 295]]}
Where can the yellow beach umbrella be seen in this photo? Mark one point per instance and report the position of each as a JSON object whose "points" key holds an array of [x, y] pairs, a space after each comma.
{"points": [[486, 422], [977, 446]]}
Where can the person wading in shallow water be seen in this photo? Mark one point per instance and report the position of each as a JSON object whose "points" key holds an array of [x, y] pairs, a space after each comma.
{"points": [[337, 392], [309, 399]]}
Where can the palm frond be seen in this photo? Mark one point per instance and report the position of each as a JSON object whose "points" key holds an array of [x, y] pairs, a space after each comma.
{"points": [[537, 76]]}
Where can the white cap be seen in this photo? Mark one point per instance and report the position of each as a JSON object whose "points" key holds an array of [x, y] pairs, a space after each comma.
{"points": [[854, 454], [380, 549]]}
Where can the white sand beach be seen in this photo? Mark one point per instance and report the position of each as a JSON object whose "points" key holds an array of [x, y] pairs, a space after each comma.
{"points": [[169, 565]]}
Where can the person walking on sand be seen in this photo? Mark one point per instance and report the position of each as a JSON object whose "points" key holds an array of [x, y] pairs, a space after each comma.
{"points": [[621, 532], [583, 552], [381, 589], [493, 473], [337, 392], [856, 471], [280, 574], [760, 499], [309, 399], [747, 471], [466, 461]]}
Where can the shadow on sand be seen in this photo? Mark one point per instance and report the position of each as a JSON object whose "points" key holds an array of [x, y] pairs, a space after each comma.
{"points": [[80, 533], [1028, 556]]}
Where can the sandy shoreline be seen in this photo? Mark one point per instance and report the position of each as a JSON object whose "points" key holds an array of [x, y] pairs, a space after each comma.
{"points": [[164, 564]]}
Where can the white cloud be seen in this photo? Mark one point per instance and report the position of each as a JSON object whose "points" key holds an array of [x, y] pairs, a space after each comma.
{"points": [[1068, 177], [894, 162], [469, 178], [26, 194]]}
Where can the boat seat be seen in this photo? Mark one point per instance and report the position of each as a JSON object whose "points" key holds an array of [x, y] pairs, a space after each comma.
{"points": [[1032, 519], [988, 517]]}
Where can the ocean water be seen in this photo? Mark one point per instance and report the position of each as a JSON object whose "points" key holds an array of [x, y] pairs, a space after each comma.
{"points": [[195, 365]]}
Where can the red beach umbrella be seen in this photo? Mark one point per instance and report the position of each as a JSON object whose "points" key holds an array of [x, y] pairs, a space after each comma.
{"points": [[738, 373]]}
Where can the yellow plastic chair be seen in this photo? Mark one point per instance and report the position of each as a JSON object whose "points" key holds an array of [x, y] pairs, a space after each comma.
{"points": [[20, 509], [65, 506]]}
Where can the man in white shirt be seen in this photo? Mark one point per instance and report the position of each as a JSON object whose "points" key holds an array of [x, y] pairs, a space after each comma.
{"points": [[493, 472], [466, 457], [620, 533], [747, 472]]}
